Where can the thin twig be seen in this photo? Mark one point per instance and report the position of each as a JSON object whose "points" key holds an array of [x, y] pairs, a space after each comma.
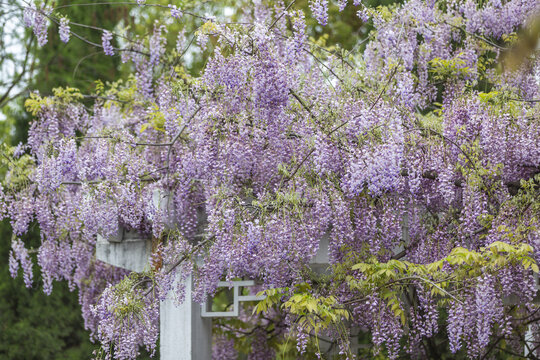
{"points": [[303, 104], [487, 41], [372, 105], [23, 70], [280, 15], [177, 136]]}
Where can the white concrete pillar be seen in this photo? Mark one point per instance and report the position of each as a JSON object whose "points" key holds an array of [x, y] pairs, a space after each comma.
{"points": [[129, 250], [321, 261], [184, 334], [529, 343]]}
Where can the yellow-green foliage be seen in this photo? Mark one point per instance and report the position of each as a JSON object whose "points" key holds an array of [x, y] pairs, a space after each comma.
{"points": [[510, 39], [443, 69], [392, 278], [315, 313], [15, 171], [488, 97], [385, 12], [389, 280], [156, 120], [132, 304], [207, 28], [62, 96], [35, 103], [117, 92]]}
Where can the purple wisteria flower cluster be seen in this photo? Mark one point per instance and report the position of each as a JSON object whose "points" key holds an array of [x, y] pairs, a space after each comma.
{"points": [[106, 38], [64, 30], [396, 155]]}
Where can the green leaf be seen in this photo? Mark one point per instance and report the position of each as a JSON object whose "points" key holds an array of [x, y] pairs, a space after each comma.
{"points": [[144, 127]]}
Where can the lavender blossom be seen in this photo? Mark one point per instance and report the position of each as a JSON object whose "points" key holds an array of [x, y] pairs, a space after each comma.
{"points": [[106, 43], [175, 12], [64, 30], [40, 24], [320, 11]]}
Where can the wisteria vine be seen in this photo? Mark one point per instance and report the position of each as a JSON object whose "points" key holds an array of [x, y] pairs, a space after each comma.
{"points": [[418, 159]]}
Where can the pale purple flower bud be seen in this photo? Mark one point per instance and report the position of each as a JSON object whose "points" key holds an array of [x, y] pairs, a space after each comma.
{"points": [[64, 30], [19, 150], [106, 43], [28, 15], [202, 40], [180, 40], [13, 265], [319, 8], [20, 254], [175, 12], [363, 14], [40, 25]]}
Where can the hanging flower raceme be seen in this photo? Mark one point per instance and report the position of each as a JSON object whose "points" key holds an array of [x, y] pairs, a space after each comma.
{"points": [[64, 30], [106, 43]]}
